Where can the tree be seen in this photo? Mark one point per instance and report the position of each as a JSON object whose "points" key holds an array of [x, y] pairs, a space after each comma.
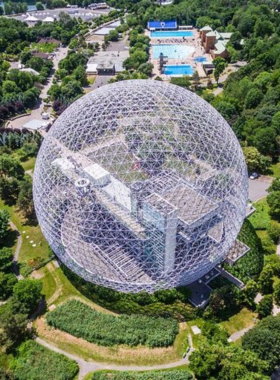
{"points": [[13, 327], [274, 232], [10, 167], [264, 308], [182, 82], [10, 87], [276, 294], [265, 141], [28, 293], [80, 75], [219, 64], [273, 200], [266, 280], [222, 301], [4, 223], [36, 63], [256, 161], [253, 98], [7, 283], [146, 68], [275, 186], [228, 362], [39, 6], [6, 257], [9, 189], [248, 294], [264, 340], [25, 198]]}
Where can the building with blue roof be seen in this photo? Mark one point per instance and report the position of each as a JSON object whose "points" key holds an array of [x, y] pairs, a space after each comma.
{"points": [[162, 25]]}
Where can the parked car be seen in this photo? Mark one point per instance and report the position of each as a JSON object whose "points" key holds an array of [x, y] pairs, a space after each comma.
{"points": [[254, 175]]}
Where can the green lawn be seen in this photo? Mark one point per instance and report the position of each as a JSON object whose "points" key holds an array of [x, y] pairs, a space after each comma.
{"points": [[239, 321], [28, 254], [29, 164], [260, 219]]}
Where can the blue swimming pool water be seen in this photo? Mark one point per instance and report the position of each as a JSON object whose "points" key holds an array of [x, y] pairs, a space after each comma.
{"points": [[200, 59], [178, 70], [171, 34], [172, 51]]}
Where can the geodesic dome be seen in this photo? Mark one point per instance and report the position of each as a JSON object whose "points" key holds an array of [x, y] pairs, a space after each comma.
{"points": [[140, 185]]}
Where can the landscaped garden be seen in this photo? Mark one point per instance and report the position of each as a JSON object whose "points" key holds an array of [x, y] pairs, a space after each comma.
{"points": [[82, 321]]}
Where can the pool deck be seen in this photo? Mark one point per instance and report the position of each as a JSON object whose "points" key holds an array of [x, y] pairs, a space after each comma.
{"points": [[193, 41]]}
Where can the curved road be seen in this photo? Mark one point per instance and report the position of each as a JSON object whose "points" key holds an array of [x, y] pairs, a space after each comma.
{"points": [[86, 367]]}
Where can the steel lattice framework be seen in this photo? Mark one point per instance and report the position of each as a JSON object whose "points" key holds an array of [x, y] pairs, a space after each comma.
{"points": [[140, 185]]}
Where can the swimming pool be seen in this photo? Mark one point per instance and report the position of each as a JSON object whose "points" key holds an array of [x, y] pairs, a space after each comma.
{"points": [[171, 34], [178, 70], [200, 59], [173, 51]]}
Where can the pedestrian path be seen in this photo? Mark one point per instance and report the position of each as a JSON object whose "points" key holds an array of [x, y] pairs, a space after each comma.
{"points": [[90, 366]]}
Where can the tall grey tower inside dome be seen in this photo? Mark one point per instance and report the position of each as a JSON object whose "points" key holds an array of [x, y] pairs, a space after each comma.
{"points": [[140, 185]]}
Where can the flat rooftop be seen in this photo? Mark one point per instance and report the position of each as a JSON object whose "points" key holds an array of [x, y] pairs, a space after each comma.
{"points": [[191, 205], [109, 58], [237, 251]]}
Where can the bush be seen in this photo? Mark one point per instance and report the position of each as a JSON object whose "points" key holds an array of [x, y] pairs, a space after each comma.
{"points": [[264, 340], [151, 375], [141, 303], [251, 264], [274, 232], [265, 306], [36, 362], [82, 321]]}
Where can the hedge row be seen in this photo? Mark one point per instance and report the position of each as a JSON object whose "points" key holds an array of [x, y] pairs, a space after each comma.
{"points": [[36, 362], [152, 375], [80, 320]]}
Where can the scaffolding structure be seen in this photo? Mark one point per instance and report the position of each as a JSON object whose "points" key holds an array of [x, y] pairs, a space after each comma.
{"points": [[140, 185]]}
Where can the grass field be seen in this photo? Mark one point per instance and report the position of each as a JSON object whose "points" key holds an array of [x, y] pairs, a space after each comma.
{"points": [[260, 219], [239, 321], [57, 289], [29, 233]]}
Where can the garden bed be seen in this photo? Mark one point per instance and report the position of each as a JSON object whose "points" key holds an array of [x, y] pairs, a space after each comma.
{"points": [[80, 320]]}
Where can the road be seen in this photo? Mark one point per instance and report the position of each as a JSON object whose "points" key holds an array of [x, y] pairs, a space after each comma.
{"points": [[86, 367], [38, 109], [258, 187]]}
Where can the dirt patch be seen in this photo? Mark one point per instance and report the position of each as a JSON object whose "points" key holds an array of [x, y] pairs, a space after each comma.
{"points": [[117, 354], [37, 275]]}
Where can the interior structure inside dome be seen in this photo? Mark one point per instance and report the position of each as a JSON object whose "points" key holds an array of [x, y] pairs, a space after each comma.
{"points": [[141, 185]]}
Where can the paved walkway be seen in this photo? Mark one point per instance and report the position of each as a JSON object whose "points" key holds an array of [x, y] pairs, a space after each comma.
{"points": [[90, 366], [16, 254], [239, 334]]}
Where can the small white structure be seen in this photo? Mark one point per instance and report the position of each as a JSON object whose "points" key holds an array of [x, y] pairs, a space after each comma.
{"points": [[48, 19], [29, 70], [45, 116], [31, 20], [196, 330], [34, 125]]}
